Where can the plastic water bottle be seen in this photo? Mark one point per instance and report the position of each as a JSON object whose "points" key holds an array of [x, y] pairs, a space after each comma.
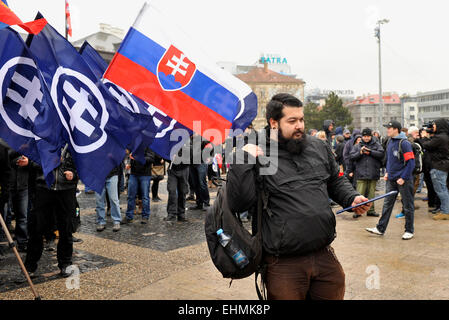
{"points": [[232, 249]]}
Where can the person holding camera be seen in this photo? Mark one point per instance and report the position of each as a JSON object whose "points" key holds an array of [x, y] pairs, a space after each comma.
{"points": [[433, 202], [438, 147], [367, 159]]}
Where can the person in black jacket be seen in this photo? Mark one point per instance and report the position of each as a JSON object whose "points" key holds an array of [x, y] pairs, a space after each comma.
{"points": [[19, 196], [4, 185], [438, 147], [367, 159], [328, 127], [198, 171], [139, 179], [339, 151], [178, 185], [299, 226], [59, 199], [433, 203], [157, 175]]}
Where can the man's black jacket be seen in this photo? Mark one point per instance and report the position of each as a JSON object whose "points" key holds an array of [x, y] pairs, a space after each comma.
{"points": [[60, 183], [367, 167], [138, 169], [4, 174], [302, 220], [19, 175], [438, 146]]}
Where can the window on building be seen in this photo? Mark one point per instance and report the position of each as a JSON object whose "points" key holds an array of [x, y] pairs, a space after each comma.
{"points": [[412, 117], [412, 108], [368, 119]]}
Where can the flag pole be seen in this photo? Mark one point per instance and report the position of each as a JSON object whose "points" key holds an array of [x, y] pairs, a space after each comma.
{"points": [[141, 13], [65, 20]]}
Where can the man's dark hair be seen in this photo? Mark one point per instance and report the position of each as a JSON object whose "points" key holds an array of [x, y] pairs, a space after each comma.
{"points": [[277, 104]]}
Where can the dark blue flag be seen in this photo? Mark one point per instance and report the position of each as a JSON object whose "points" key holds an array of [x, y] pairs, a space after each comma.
{"points": [[28, 118], [157, 136], [141, 139], [97, 129]]}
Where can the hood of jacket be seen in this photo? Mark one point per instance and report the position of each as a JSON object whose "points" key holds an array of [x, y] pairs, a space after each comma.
{"points": [[326, 125], [400, 136], [442, 126]]}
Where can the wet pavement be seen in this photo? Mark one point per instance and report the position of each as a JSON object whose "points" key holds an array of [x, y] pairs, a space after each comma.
{"points": [[163, 260]]}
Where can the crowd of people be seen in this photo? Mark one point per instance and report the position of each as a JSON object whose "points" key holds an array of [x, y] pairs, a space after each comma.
{"points": [[405, 158], [333, 166], [43, 214]]}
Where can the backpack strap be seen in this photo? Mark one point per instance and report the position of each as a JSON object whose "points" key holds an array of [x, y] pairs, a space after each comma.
{"points": [[262, 208]]}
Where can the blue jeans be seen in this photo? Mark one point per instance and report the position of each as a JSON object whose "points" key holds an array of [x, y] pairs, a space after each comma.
{"points": [[19, 201], [439, 179], [199, 172], [134, 184], [111, 187], [408, 202]]}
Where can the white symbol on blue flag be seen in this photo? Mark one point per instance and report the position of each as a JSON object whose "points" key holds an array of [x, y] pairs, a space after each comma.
{"points": [[25, 101], [81, 115]]}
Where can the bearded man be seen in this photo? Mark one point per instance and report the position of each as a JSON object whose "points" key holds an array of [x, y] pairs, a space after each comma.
{"points": [[300, 227]]}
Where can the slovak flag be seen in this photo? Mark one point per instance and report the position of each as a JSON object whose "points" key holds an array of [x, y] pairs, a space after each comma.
{"points": [[159, 64], [158, 134]]}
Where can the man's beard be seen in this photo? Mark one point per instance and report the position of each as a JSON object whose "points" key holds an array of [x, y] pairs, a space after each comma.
{"points": [[294, 146]]}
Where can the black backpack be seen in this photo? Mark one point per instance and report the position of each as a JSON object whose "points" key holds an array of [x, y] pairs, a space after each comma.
{"points": [[220, 216]]}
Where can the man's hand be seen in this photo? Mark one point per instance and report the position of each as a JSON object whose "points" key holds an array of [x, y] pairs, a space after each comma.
{"points": [[253, 150], [386, 176], [363, 209], [400, 181], [131, 156], [68, 175], [22, 162]]}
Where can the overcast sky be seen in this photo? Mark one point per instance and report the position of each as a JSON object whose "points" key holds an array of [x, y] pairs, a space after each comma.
{"points": [[329, 44]]}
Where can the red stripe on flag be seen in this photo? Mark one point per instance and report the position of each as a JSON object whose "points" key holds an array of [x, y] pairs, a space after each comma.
{"points": [[408, 156], [7, 16], [35, 26], [142, 83]]}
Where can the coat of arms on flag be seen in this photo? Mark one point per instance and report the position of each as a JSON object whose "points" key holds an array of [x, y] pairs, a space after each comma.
{"points": [[175, 70]]}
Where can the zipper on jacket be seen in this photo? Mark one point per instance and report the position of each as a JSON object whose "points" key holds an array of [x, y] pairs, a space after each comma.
{"points": [[56, 179]]}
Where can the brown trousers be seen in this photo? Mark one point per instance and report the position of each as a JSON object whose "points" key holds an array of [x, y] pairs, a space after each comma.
{"points": [[316, 276]]}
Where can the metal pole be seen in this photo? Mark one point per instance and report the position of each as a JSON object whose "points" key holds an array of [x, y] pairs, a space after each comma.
{"points": [[65, 20], [381, 100]]}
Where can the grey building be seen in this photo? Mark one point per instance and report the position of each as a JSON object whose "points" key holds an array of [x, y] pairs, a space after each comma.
{"points": [[365, 110], [409, 105], [433, 105]]}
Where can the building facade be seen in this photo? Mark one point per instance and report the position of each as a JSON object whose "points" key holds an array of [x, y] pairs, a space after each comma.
{"points": [[433, 105], [409, 111], [266, 83], [365, 110], [106, 42]]}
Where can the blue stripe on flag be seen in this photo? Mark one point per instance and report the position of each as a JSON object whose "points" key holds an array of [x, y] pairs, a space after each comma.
{"points": [[147, 53]]}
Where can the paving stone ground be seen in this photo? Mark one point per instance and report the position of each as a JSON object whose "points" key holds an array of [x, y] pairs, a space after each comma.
{"points": [[169, 261]]}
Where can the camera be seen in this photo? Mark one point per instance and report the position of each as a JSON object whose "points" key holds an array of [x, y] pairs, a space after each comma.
{"points": [[429, 127]]}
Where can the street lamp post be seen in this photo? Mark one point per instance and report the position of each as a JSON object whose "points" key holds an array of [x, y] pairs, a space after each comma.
{"points": [[381, 100]]}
